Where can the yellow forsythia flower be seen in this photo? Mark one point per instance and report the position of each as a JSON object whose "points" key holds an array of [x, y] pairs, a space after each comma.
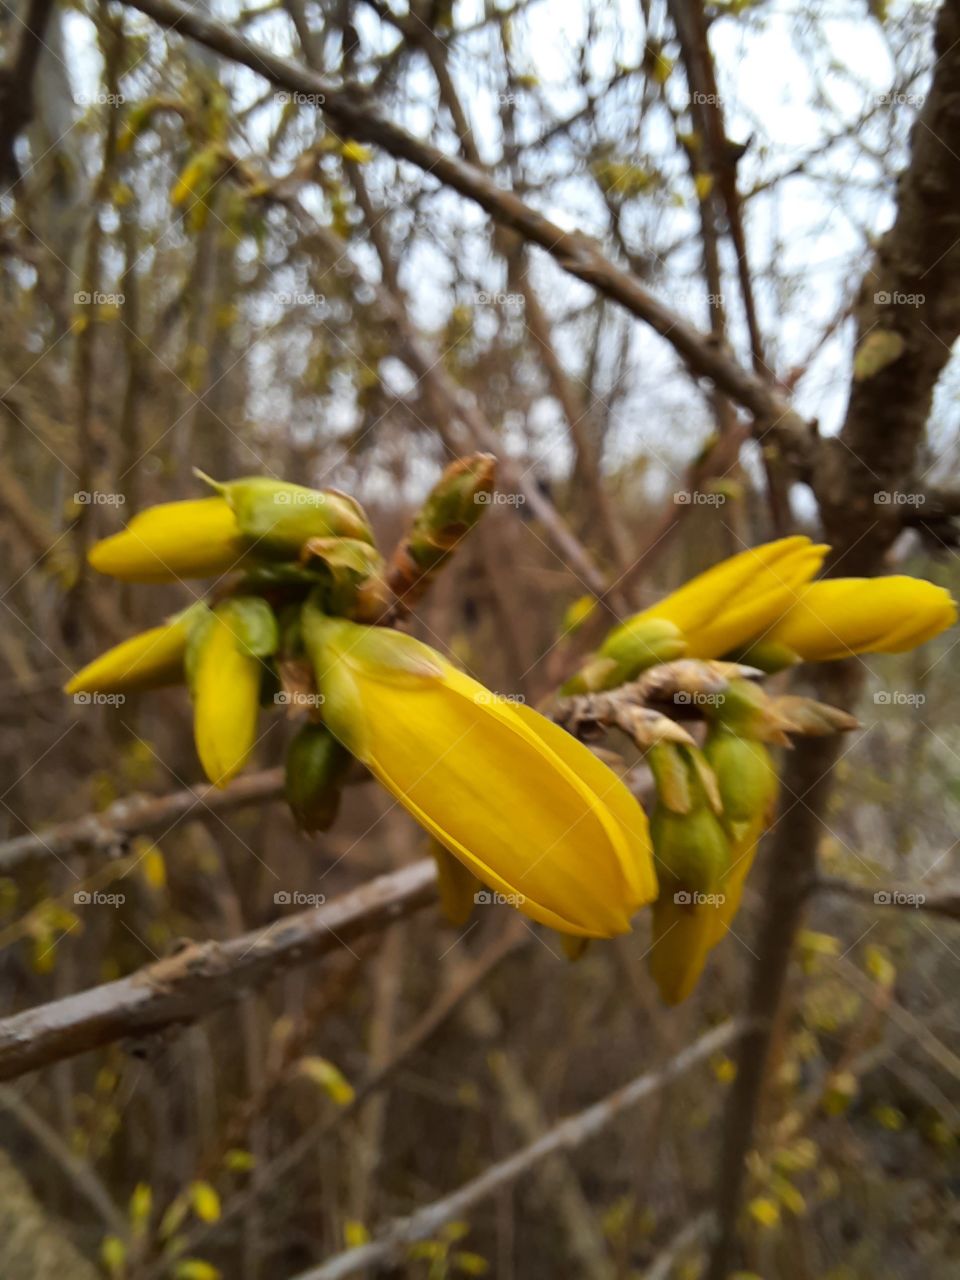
{"points": [[842, 616], [225, 687], [152, 658], [193, 539], [523, 805], [724, 608], [711, 615]]}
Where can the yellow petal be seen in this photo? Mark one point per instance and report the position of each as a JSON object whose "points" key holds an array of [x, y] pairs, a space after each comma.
{"points": [[839, 617], [679, 946], [524, 819], [611, 790], [736, 600], [226, 689], [194, 539], [151, 658]]}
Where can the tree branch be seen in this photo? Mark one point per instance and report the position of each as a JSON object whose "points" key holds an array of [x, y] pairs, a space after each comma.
{"points": [[908, 309], [568, 1135], [576, 253], [108, 831], [204, 976], [909, 897]]}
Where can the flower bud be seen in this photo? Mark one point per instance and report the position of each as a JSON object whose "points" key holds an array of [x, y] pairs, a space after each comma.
{"points": [[224, 668], [692, 855], [315, 769], [628, 650], [839, 617], [745, 776], [195, 539], [277, 518], [523, 805], [145, 661]]}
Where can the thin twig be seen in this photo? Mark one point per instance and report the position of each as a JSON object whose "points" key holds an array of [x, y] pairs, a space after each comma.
{"points": [[107, 832], [568, 1135], [204, 976]]}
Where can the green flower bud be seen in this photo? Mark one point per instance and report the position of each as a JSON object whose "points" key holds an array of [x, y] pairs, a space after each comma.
{"points": [[453, 506], [769, 656], [316, 765], [278, 518], [745, 774], [692, 851], [628, 650]]}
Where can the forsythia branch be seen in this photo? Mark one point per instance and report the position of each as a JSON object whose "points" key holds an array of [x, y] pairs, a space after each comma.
{"points": [[568, 1135], [204, 976], [107, 831], [576, 253]]}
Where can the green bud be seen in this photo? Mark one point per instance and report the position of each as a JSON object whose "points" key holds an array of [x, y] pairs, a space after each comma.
{"points": [[769, 656], [278, 518], [628, 650], [316, 765], [745, 774], [454, 505], [691, 849], [451, 509]]}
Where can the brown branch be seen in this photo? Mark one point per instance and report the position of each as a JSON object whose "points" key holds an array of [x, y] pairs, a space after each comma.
{"points": [[447, 1003], [908, 308], [108, 831], [908, 897], [16, 85], [885, 422], [790, 867], [204, 976], [568, 1135], [578, 254]]}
